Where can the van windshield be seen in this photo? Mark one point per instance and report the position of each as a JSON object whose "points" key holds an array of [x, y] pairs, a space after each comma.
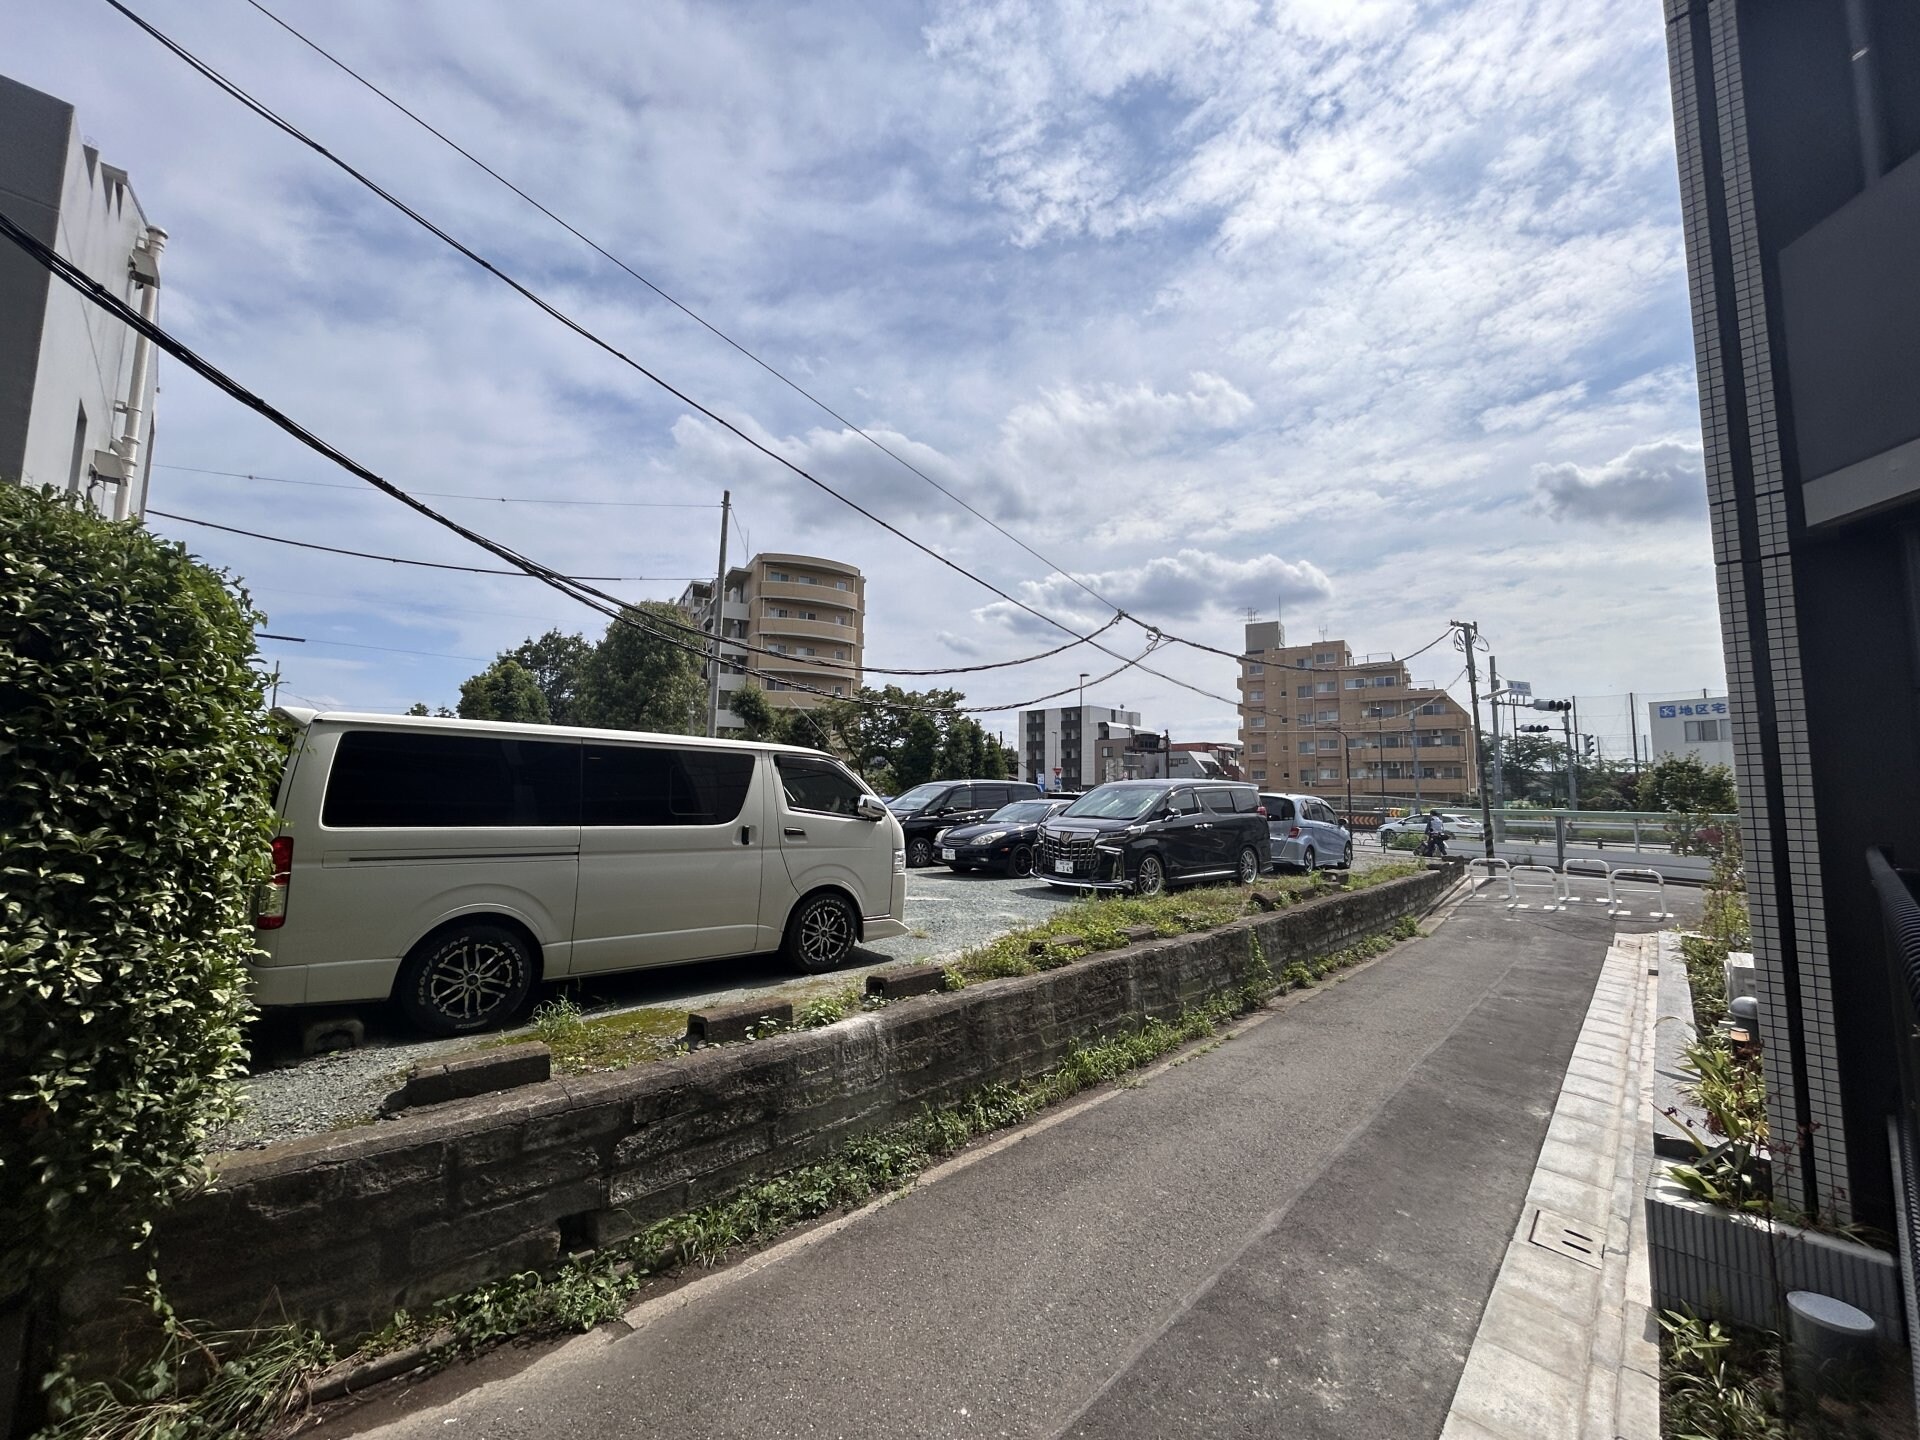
{"points": [[915, 798], [1115, 802]]}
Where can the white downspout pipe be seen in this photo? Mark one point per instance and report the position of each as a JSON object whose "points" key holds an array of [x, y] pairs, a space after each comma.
{"points": [[146, 268]]}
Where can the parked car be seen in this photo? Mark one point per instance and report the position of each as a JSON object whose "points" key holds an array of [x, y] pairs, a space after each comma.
{"points": [[1005, 840], [1144, 835], [1416, 824], [926, 810], [452, 864], [1306, 832]]}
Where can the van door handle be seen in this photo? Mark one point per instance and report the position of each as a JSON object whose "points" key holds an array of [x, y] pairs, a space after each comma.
{"points": [[746, 834], [795, 832]]}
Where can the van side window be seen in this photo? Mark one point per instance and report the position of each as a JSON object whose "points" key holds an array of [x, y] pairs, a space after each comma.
{"points": [[1245, 802], [961, 799], [397, 780], [818, 785], [1218, 801], [646, 785], [1184, 803]]}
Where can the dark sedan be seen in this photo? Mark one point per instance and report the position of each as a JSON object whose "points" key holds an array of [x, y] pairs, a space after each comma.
{"points": [[1005, 840]]}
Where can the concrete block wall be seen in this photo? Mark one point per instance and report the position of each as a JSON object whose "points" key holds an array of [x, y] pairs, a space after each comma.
{"points": [[341, 1230]]}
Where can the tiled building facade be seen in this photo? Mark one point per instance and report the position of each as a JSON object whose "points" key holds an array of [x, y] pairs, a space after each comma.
{"points": [[1314, 718], [1798, 133]]}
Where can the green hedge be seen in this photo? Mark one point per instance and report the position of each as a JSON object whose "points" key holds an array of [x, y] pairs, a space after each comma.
{"points": [[136, 769]]}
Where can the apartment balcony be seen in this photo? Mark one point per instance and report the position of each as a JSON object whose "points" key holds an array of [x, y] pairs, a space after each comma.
{"points": [[843, 635], [813, 595]]}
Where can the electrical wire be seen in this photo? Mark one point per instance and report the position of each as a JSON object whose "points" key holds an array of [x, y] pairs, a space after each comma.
{"points": [[683, 308], [448, 494], [395, 559], [693, 630], [616, 610], [291, 130]]}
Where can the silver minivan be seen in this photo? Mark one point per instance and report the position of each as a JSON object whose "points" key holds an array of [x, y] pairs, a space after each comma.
{"points": [[453, 864], [1306, 832]]}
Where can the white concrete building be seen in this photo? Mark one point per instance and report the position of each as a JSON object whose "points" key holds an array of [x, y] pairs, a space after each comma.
{"points": [[1059, 747], [1698, 725], [76, 385]]}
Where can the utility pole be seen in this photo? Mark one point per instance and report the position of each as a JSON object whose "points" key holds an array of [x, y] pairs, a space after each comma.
{"points": [[719, 617], [1633, 730], [1573, 785], [1469, 637], [1493, 715]]}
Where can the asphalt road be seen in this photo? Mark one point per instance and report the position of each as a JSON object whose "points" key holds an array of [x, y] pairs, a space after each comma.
{"points": [[1291, 1233]]}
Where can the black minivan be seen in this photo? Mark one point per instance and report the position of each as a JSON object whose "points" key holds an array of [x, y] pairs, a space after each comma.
{"points": [[926, 810], [1144, 835]]}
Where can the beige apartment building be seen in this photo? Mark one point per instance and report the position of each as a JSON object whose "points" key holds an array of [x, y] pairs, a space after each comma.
{"points": [[1315, 718], [809, 612]]}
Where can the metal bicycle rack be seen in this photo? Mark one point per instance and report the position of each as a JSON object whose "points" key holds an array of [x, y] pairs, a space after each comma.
{"points": [[1491, 874], [1638, 876], [1598, 869], [1554, 882]]}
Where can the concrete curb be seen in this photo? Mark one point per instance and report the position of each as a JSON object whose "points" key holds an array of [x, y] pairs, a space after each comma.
{"points": [[1567, 1348]]}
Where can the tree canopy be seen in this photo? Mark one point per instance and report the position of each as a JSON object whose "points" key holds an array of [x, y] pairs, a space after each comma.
{"points": [[505, 690]]}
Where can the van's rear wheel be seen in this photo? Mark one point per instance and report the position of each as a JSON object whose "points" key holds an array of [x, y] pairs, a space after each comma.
{"points": [[821, 934], [466, 978]]}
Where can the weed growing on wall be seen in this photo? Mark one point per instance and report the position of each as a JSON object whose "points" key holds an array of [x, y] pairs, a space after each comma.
{"points": [[135, 819]]}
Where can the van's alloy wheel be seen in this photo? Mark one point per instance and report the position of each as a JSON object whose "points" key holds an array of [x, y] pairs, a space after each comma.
{"points": [[1249, 865], [465, 979], [821, 934], [1151, 878]]}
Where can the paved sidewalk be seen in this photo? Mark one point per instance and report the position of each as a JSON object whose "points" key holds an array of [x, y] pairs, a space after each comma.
{"points": [[1567, 1345], [1292, 1233]]}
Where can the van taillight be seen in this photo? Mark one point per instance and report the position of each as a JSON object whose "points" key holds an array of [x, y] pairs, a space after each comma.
{"points": [[270, 910]]}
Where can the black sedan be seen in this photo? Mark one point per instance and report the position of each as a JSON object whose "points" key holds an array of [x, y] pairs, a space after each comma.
{"points": [[1003, 841]]}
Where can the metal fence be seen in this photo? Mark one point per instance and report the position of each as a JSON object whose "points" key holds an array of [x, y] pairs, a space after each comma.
{"points": [[1900, 918]]}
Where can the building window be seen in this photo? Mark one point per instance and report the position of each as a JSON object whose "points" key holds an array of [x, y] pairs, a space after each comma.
{"points": [[1356, 682], [1325, 687], [1302, 692], [1329, 744], [840, 620], [1256, 697], [1259, 774], [1306, 747], [779, 575], [1326, 657], [841, 585], [1259, 747], [1327, 717], [1258, 722], [1329, 774], [1384, 681], [1254, 667], [1704, 731]]}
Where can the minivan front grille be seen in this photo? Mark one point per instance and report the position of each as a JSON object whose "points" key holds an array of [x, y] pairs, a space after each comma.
{"points": [[1077, 851]]}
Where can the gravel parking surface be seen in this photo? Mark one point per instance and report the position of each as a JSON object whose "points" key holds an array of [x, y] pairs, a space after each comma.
{"points": [[288, 1096]]}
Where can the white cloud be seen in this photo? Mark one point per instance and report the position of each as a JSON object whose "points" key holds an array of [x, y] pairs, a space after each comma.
{"points": [[1648, 484]]}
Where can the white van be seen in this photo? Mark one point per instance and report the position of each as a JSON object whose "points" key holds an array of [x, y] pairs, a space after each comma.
{"points": [[453, 864]]}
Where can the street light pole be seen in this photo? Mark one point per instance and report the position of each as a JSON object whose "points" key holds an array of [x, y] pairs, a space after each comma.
{"points": [[1083, 728]]}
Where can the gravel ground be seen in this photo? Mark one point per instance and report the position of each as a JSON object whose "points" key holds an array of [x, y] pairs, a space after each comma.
{"points": [[288, 1096]]}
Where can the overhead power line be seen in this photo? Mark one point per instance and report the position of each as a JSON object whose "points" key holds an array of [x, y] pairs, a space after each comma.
{"points": [[287, 127], [682, 307], [395, 559], [447, 494], [688, 629], [615, 609]]}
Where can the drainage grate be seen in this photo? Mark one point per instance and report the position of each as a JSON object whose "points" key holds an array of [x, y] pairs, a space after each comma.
{"points": [[1577, 1241]]}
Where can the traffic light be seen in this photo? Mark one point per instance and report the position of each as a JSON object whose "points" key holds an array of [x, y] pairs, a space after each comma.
{"points": [[1553, 704], [1534, 729], [1589, 746]]}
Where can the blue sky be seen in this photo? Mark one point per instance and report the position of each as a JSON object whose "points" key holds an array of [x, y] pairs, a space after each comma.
{"points": [[1378, 308]]}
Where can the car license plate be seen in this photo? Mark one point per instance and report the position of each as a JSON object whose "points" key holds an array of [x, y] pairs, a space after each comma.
{"points": [[946, 852], [1063, 867]]}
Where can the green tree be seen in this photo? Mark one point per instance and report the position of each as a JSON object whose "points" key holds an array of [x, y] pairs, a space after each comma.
{"points": [[641, 677], [917, 755], [505, 690], [556, 661], [1686, 783], [135, 818], [758, 719]]}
